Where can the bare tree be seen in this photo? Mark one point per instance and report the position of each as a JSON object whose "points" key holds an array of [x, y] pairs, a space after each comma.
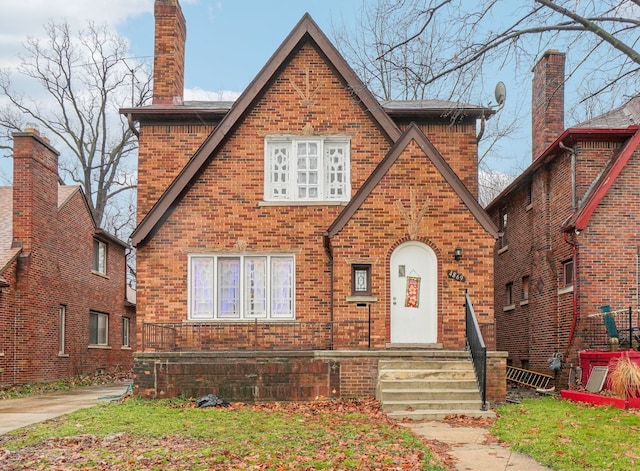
{"points": [[451, 45], [85, 78]]}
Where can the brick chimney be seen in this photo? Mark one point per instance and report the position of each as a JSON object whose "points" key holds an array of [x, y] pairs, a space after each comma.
{"points": [[169, 44], [547, 103], [35, 189]]}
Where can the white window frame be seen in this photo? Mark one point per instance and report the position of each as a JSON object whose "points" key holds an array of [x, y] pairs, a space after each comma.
{"points": [[102, 329], [207, 303], [290, 186], [99, 257], [62, 327], [126, 332]]}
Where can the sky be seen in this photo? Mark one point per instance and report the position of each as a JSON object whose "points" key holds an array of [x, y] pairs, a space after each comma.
{"points": [[228, 41]]}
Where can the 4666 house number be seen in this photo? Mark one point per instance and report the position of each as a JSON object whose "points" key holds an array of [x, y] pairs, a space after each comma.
{"points": [[455, 275]]}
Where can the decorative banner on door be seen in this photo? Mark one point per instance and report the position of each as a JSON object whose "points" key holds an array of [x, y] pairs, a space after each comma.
{"points": [[413, 291]]}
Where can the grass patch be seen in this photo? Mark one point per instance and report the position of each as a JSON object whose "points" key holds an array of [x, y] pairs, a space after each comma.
{"points": [[569, 436], [140, 434]]}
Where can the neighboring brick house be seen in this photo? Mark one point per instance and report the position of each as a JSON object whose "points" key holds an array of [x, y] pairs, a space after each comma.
{"points": [[570, 226], [305, 216], [63, 310]]}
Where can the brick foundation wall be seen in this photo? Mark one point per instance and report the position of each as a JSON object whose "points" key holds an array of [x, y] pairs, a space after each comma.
{"points": [[277, 376]]}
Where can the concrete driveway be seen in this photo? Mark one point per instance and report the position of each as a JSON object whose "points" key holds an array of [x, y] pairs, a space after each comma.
{"points": [[17, 413]]}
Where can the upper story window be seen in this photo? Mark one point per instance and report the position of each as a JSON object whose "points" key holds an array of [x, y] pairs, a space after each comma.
{"points": [[235, 287], [567, 273], [307, 168], [508, 294], [525, 289], [503, 228], [99, 257]]}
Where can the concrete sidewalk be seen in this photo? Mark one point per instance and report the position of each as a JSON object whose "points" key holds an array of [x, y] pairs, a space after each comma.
{"points": [[473, 449], [17, 413]]}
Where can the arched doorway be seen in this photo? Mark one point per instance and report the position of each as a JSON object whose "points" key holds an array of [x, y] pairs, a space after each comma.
{"points": [[414, 294]]}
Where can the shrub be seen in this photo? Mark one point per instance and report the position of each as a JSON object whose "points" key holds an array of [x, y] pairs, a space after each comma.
{"points": [[625, 377]]}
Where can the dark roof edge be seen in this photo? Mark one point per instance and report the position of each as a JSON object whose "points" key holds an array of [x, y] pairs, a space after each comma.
{"points": [[581, 219], [306, 26], [413, 132], [569, 137]]}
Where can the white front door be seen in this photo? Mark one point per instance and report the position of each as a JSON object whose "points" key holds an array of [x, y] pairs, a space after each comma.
{"points": [[414, 294]]}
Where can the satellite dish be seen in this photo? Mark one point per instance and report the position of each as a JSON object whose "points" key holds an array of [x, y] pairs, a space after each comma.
{"points": [[501, 93]]}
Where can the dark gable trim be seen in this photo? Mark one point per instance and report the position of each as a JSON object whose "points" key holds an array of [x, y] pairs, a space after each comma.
{"points": [[305, 30], [413, 132], [568, 138], [580, 219]]}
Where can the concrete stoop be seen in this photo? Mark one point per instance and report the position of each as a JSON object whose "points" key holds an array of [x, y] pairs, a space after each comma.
{"points": [[429, 389]]}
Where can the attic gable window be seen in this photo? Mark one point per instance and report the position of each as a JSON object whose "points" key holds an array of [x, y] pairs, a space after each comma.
{"points": [[301, 169]]}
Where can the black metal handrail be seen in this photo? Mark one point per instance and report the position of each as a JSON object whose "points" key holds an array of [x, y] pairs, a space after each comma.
{"points": [[476, 346]]}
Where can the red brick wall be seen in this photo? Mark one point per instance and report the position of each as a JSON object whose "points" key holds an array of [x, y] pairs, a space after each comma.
{"points": [[607, 258], [274, 376], [53, 269], [547, 103], [378, 227], [458, 145], [220, 209], [7, 324], [164, 150]]}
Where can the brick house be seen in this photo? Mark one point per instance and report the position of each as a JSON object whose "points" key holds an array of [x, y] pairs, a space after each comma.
{"points": [[570, 228], [63, 307], [302, 231]]}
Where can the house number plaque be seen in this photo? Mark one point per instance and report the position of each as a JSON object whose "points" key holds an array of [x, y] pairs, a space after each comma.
{"points": [[454, 275]]}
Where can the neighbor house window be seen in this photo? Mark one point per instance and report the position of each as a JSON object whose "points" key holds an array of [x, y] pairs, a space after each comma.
{"points": [[525, 288], [98, 328], [241, 287], [567, 270], [62, 325], [126, 324], [508, 294], [307, 169], [503, 228], [361, 280], [99, 256]]}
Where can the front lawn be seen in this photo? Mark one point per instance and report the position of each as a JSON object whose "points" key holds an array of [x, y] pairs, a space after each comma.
{"points": [[567, 436], [139, 434]]}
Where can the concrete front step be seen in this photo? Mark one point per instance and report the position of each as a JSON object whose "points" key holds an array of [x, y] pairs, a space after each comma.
{"points": [[429, 389], [432, 364], [432, 404], [427, 414], [451, 395], [399, 375], [429, 383]]}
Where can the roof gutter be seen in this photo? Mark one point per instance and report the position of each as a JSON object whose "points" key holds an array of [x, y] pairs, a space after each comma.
{"points": [[326, 239]]}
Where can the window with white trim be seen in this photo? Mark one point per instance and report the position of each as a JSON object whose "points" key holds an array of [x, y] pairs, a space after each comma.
{"points": [[307, 168], [62, 328], [235, 287], [99, 257], [126, 325], [98, 328]]}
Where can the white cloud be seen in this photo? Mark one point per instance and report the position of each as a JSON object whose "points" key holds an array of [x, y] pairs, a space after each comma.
{"points": [[23, 18], [198, 94]]}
